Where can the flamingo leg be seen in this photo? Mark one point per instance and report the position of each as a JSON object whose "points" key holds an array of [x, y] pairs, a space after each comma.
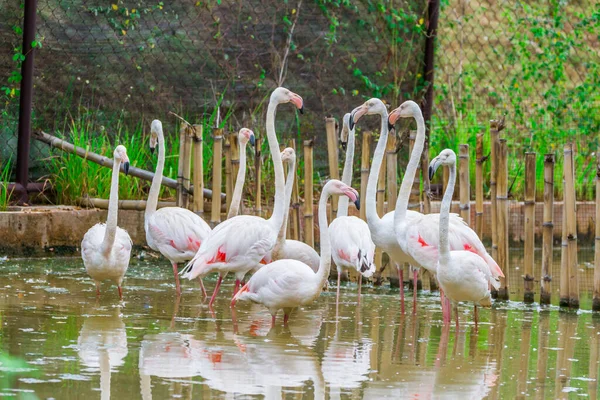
{"points": [[175, 272], [214, 295], [359, 286], [443, 301], [476, 316], [401, 286], [337, 296], [415, 279], [456, 312], [97, 289], [286, 318], [204, 295], [237, 286], [121, 294], [273, 317]]}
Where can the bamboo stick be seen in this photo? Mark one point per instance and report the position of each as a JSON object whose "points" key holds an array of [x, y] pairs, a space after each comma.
{"points": [[257, 177], [502, 218], [228, 175], [414, 201], [391, 173], [465, 183], [479, 159], [529, 226], [63, 145], [426, 189], [548, 229], [198, 169], [364, 171], [138, 205], [309, 237], [495, 128], [215, 216], [596, 301], [180, 188], [295, 211], [564, 270], [187, 166], [571, 214], [333, 158]]}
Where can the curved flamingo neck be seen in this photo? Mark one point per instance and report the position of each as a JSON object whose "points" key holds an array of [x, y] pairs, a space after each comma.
{"points": [[279, 204], [289, 185], [347, 174], [445, 215], [236, 198], [113, 210], [152, 202], [411, 169], [325, 262], [373, 219]]}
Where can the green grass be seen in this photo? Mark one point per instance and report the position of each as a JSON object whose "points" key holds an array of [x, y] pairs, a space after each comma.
{"points": [[4, 180]]}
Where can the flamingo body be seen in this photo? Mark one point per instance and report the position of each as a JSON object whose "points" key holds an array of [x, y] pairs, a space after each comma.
{"points": [[111, 266], [351, 245], [297, 250]]}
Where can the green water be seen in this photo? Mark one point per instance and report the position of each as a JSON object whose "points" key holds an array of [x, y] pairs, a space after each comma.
{"points": [[58, 341]]}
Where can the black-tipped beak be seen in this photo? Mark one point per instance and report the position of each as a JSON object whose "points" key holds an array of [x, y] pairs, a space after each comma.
{"points": [[351, 123], [151, 150], [357, 203], [301, 109], [344, 145], [390, 126], [431, 172], [126, 168], [252, 140]]}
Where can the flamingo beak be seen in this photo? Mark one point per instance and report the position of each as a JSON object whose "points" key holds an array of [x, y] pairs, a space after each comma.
{"points": [[356, 114], [152, 150], [126, 167], [357, 203], [344, 145], [392, 118], [433, 166], [353, 195], [252, 140], [298, 102]]}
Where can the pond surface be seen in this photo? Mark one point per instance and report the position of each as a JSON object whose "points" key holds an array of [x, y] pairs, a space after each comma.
{"points": [[58, 341]]}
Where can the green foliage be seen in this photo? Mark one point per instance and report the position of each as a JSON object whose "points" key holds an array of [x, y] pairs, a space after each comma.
{"points": [[4, 180], [122, 18]]}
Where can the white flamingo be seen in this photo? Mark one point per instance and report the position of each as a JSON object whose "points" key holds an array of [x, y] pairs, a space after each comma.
{"points": [[287, 284], [106, 248], [417, 233], [351, 244], [462, 274], [175, 232], [243, 242], [245, 135], [292, 249]]}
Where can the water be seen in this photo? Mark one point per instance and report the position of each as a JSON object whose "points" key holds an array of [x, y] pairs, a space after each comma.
{"points": [[63, 343]]}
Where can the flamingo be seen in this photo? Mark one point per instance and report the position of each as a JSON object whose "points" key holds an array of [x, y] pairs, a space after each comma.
{"points": [[417, 233], [351, 244], [463, 274], [175, 232], [106, 248], [382, 229], [292, 249], [241, 243], [287, 284], [245, 135]]}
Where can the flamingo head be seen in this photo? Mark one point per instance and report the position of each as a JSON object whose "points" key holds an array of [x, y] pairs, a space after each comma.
{"points": [[156, 130], [283, 95], [334, 186], [345, 132], [446, 157], [369, 107], [408, 109], [245, 135], [288, 155], [120, 156]]}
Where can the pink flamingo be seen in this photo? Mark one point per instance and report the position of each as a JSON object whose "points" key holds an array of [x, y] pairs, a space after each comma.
{"points": [[245, 135], [106, 248], [351, 243], [175, 232], [293, 249], [463, 274], [287, 284], [417, 234], [242, 243]]}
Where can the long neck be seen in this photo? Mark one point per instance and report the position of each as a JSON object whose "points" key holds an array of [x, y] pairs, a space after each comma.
{"points": [[113, 210], [325, 262], [347, 174], [445, 214], [373, 218], [411, 169], [278, 208], [236, 198], [289, 185], [157, 179]]}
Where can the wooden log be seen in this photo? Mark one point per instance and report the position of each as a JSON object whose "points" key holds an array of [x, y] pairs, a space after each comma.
{"points": [[365, 167], [198, 176], [258, 177], [215, 216], [502, 218], [63, 145], [182, 136], [414, 201], [479, 159], [596, 301], [187, 166], [138, 205], [228, 174], [547, 229], [529, 205], [571, 217], [333, 158], [391, 172], [295, 206], [465, 183], [309, 237]]}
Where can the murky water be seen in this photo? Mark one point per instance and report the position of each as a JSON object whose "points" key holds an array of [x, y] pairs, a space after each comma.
{"points": [[58, 341]]}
